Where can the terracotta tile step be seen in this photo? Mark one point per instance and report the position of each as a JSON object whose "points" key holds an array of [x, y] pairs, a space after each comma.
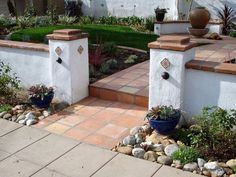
{"points": [[124, 96]]}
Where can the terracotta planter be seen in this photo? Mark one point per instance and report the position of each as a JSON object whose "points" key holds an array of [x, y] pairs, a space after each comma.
{"points": [[199, 17]]}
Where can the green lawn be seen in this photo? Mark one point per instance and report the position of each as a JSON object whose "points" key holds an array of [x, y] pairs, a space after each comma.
{"points": [[121, 35]]}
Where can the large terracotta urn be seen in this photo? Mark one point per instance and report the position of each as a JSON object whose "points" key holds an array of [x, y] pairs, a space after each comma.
{"points": [[199, 17]]}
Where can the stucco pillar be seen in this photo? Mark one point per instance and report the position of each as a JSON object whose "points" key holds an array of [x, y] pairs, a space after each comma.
{"points": [[69, 64], [168, 56]]}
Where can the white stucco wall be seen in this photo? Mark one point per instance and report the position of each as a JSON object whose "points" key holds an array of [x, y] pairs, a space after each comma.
{"points": [[124, 8], [208, 89], [32, 67]]}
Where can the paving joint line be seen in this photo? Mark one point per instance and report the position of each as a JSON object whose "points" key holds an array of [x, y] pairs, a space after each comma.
{"points": [[25, 147], [45, 166], [11, 130], [104, 165], [157, 170]]}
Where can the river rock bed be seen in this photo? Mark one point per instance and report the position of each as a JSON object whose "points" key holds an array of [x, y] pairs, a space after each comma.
{"points": [[25, 114], [144, 143]]}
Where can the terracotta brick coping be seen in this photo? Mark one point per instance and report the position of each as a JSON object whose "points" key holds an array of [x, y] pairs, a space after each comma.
{"points": [[24, 45], [186, 21], [173, 42], [67, 35], [226, 68]]}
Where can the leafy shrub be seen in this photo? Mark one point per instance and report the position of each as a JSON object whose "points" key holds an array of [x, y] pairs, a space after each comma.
{"points": [[109, 48], [5, 107], [186, 155], [212, 134], [131, 59], [52, 13], [66, 20], [227, 15], [86, 20], [182, 135], [105, 68], [112, 63], [7, 21], [232, 34], [24, 22], [149, 24], [9, 83], [41, 21], [29, 10]]}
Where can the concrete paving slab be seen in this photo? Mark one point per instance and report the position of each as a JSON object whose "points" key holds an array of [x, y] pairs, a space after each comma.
{"points": [[3, 155], [47, 173], [82, 161], [126, 166], [47, 149], [165, 171], [20, 138], [7, 126], [15, 167]]}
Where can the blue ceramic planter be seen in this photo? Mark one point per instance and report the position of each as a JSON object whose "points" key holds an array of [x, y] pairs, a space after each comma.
{"points": [[164, 126], [45, 103]]}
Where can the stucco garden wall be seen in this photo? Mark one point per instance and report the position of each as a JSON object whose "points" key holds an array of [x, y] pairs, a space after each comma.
{"points": [[32, 67]]}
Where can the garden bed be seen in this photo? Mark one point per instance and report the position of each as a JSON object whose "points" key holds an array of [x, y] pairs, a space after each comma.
{"points": [[207, 147]]}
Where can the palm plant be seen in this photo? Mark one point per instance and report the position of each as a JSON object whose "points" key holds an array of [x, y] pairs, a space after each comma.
{"points": [[227, 15]]}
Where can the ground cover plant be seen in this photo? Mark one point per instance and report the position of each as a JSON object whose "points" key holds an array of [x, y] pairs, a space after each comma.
{"points": [[121, 35]]}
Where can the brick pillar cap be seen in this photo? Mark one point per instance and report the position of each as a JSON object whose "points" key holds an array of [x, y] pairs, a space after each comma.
{"points": [[67, 35], [172, 42]]}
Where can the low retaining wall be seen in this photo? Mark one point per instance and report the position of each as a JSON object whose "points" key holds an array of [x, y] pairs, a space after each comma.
{"points": [[175, 27], [63, 64], [30, 61], [192, 84]]}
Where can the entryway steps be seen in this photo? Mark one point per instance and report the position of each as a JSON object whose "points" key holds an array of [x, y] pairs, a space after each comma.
{"points": [[127, 86]]}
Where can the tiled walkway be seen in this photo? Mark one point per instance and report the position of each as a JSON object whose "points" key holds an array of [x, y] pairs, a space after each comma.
{"points": [[30, 152], [131, 85], [95, 121]]}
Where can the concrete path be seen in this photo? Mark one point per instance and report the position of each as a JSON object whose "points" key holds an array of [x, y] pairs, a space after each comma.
{"points": [[27, 151]]}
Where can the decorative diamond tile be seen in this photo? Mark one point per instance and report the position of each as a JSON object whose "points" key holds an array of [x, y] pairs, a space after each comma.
{"points": [[58, 51], [80, 49], [165, 63]]}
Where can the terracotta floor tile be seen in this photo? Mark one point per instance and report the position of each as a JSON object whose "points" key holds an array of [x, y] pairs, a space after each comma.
{"points": [[112, 131], [105, 116], [57, 128], [98, 140], [130, 90], [126, 98], [91, 125], [72, 120], [87, 111], [137, 111], [107, 94], [127, 121], [74, 107], [87, 101], [57, 116], [119, 107], [78, 134], [138, 84], [101, 104]]}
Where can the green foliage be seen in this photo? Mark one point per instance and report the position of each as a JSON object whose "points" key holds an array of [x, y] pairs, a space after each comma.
{"points": [[212, 133], [149, 24], [112, 63], [186, 155], [234, 169], [41, 21], [109, 48], [24, 22], [121, 35], [7, 21], [40, 91], [105, 68], [86, 20], [163, 113], [182, 135], [131, 59], [52, 13], [5, 107], [232, 34], [29, 10], [9, 83], [66, 20]]}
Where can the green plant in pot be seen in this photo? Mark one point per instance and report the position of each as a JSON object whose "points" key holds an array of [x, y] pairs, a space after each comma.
{"points": [[163, 119], [160, 13], [41, 95]]}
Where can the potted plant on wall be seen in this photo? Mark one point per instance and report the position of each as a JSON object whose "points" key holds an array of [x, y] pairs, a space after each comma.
{"points": [[163, 119], [160, 14], [41, 96]]}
